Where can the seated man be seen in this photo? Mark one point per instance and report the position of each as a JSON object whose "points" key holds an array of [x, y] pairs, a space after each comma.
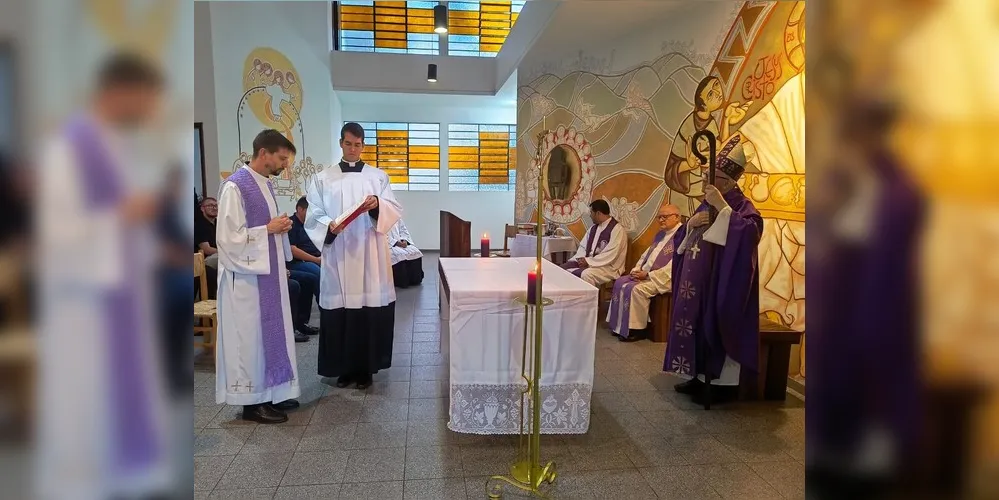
{"points": [[601, 255], [407, 260], [628, 315], [204, 240], [306, 255]]}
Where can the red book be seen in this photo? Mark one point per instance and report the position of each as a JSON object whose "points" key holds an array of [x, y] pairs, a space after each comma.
{"points": [[348, 215]]}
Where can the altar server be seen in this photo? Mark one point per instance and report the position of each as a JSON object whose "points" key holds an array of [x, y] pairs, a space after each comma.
{"points": [[357, 294], [255, 355], [407, 260], [603, 251], [628, 315]]}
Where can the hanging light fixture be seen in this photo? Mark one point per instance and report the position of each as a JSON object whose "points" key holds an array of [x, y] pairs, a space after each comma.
{"points": [[440, 19], [432, 73]]}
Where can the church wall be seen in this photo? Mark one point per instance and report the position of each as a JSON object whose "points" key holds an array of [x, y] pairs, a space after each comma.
{"points": [[204, 94], [488, 212], [271, 70], [620, 106]]}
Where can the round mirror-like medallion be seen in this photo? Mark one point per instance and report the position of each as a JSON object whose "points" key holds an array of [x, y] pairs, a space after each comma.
{"points": [[562, 172]]}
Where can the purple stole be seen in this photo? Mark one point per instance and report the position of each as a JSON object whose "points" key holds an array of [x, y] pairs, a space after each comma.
{"points": [[135, 446], [602, 241], [277, 365], [620, 308], [716, 297]]}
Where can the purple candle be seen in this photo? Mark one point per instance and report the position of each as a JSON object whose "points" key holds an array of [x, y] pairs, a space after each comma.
{"points": [[533, 279], [485, 245]]}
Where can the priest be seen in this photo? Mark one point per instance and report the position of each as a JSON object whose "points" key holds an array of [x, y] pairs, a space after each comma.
{"points": [[628, 315], [407, 260], [602, 253], [255, 355], [357, 294], [716, 283]]}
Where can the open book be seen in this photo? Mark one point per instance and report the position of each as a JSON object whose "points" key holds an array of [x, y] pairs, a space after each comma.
{"points": [[348, 215]]}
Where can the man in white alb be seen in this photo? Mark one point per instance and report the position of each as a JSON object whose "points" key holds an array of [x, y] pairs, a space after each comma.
{"points": [[602, 252], [255, 355], [407, 260], [357, 295]]}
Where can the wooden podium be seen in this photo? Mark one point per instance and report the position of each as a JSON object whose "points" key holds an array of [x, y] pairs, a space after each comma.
{"points": [[456, 236]]}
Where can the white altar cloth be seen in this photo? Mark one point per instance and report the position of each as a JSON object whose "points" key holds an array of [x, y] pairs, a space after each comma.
{"points": [[526, 245], [486, 339]]}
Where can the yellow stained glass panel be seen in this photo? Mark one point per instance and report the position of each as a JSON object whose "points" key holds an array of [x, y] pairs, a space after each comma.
{"points": [[356, 9], [357, 26], [462, 14], [495, 135], [490, 48], [463, 164], [424, 149]]}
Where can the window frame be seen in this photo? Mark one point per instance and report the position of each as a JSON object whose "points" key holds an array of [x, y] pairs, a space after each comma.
{"points": [[424, 133], [457, 136]]}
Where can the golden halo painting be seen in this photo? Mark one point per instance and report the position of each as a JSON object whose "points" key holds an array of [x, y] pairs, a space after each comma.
{"points": [[272, 92], [577, 159]]}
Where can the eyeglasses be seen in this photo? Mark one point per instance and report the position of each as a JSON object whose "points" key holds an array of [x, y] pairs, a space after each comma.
{"points": [[664, 217]]}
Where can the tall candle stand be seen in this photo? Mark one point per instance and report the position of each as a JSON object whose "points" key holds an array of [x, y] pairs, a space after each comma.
{"points": [[528, 473]]}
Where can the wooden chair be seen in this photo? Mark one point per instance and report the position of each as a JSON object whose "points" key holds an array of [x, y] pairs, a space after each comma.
{"points": [[661, 311], [204, 310], [509, 232]]}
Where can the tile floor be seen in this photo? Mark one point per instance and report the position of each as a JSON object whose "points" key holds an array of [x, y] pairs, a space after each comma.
{"points": [[392, 442]]}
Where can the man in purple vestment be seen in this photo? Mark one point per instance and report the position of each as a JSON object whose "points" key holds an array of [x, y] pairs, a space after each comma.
{"points": [[628, 314], [603, 251], [716, 281]]}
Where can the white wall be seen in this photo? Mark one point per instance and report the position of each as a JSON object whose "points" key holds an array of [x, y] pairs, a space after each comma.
{"points": [[299, 31], [204, 94], [488, 212]]}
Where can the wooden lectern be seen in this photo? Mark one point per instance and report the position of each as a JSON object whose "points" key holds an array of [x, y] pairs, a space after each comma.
{"points": [[456, 236]]}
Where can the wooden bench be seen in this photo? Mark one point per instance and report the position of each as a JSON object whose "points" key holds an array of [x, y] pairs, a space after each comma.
{"points": [[770, 383]]}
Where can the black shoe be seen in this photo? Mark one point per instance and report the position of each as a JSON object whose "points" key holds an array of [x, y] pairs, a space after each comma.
{"points": [[264, 414], [363, 382], [690, 387], [343, 381], [720, 394], [288, 404], [633, 336], [299, 337], [308, 330]]}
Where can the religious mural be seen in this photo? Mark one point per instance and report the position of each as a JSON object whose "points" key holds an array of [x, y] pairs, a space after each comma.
{"points": [[272, 98], [630, 133]]}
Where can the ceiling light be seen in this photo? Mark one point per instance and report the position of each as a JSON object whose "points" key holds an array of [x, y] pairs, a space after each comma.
{"points": [[440, 19], [432, 73]]}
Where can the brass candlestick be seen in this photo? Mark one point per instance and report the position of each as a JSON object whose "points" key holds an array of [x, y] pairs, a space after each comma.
{"points": [[528, 473]]}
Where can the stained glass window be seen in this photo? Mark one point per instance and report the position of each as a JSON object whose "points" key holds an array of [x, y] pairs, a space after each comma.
{"points": [[400, 27], [478, 28], [410, 153], [482, 157]]}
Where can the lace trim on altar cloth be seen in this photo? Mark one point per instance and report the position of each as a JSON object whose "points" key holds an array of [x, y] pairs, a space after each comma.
{"points": [[495, 409]]}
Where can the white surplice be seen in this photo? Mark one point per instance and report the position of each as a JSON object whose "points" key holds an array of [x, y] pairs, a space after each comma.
{"points": [[243, 255], [607, 265], [400, 232], [357, 265]]}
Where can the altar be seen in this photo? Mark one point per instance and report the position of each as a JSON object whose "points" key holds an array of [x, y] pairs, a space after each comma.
{"points": [[485, 340]]}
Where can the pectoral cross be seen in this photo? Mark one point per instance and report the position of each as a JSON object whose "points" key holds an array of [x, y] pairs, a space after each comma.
{"points": [[694, 250], [235, 387]]}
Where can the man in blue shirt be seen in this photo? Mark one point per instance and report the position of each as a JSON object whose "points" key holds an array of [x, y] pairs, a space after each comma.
{"points": [[305, 265]]}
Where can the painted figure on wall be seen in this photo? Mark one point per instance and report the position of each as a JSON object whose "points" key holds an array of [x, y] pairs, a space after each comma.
{"points": [[683, 172]]}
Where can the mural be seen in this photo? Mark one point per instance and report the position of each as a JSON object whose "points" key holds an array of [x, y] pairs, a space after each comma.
{"points": [[631, 134], [272, 97]]}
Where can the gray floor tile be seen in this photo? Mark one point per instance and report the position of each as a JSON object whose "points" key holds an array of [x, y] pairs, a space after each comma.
{"points": [[755, 446], [674, 422], [255, 471], [654, 452], [436, 489], [436, 359], [384, 464], [487, 460], [328, 437], [385, 410], [433, 462], [738, 481], [402, 359], [301, 416], [203, 415], [230, 416], [387, 390], [204, 396], [208, 471], [221, 441], [428, 409], [433, 347], [309, 492], [649, 401], [787, 477], [427, 336], [428, 388], [248, 494], [430, 373], [337, 413], [431, 433], [392, 490], [318, 467], [698, 449], [379, 435], [679, 482], [273, 439], [401, 348]]}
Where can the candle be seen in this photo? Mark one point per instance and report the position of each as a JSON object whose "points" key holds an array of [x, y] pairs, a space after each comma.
{"points": [[533, 280], [485, 245]]}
